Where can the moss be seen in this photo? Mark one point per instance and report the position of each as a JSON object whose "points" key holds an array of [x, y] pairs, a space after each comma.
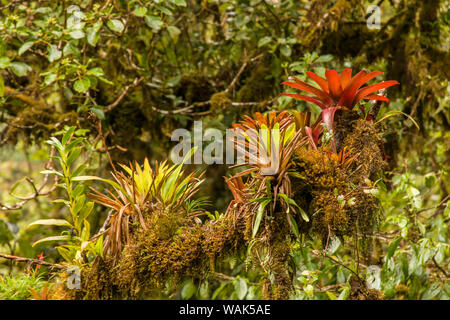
{"points": [[335, 202], [359, 291], [220, 103], [401, 292], [37, 123], [256, 87], [277, 244], [194, 87], [365, 141]]}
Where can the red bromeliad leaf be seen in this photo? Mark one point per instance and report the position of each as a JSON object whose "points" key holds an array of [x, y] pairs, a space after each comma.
{"points": [[362, 93], [328, 116], [346, 76], [338, 90], [334, 83], [313, 136], [306, 87], [376, 97], [319, 80], [306, 98]]}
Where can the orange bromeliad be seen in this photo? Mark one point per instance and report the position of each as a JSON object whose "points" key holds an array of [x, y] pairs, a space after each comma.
{"points": [[338, 91]]}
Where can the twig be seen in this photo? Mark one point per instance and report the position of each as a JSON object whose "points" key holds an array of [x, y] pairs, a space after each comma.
{"points": [[37, 191], [442, 203], [236, 78], [439, 267], [335, 261], [30, 260], [102, 136], [122, 95]]}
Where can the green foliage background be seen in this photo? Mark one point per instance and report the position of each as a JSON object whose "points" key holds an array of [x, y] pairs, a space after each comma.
{"points": [[145, 68]]}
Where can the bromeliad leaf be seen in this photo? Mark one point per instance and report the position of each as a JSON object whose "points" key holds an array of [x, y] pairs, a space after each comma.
{"points": [[259, 215], [51, 222], [56, 238]]}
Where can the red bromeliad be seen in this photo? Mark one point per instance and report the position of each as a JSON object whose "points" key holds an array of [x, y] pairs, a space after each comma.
{"points": [[338, 91]]}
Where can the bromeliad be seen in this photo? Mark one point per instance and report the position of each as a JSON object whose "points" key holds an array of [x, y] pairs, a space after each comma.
{"points": [[338, 91]]}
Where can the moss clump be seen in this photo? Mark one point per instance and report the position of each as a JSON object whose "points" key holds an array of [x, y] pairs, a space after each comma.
{"points": [[401, 292], [194, 87], [275, 239], [333, 196], [344, 124], [257, 87], [222, 235], [359, 291], [37, 123], [166, 251], [364, 140], [220, 103]]}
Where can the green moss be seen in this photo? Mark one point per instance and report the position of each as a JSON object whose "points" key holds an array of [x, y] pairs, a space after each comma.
{"points": [[220, 103], [256, 87]]}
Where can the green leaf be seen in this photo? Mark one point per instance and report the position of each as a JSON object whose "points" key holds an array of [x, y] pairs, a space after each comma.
{"points": [[67, 254], [50, 78], [290, 201], [77, 34], [53, 53], [180, 3], [259, 215], [4, 62], [98, 112], [99, 246], [79, 204], [82, 85], [286, 50], [263, 41], [240, 286], [188, 290], [173, 31], [67, 135], [52, 172], [27, 45], [20, 68], [218, 290], [86, 211], [293, 225], [2, 48], [93, 34], [432, 291], [392, 248], [325, 58], [55, 238], [140, 11], [331, 295], [204, 290], [73, 156], [115, 25], [90, 178], [153, 22], [344, 294], [98, 72], [50, 222]]}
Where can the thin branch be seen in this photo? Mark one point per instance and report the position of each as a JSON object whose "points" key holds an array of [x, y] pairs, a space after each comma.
{"points": [[335, 261], [37, 191], [122, 95], [439, 267], [30, 260], [236, 78]]}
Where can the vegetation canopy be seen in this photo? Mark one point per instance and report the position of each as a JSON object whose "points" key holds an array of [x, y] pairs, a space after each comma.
{"points": [[339, 186]]}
